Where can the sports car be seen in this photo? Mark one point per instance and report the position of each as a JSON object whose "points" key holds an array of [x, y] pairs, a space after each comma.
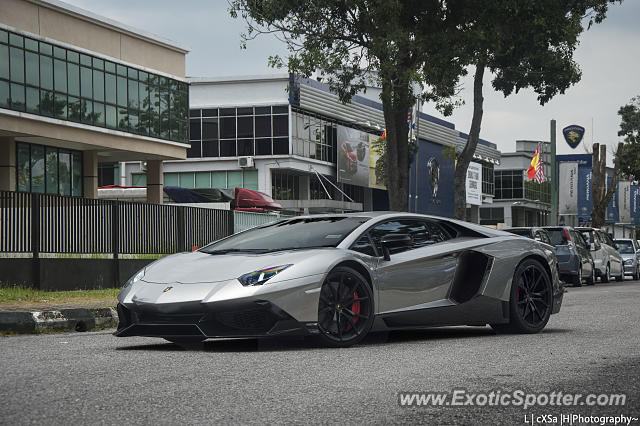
{"points": [[342, 276]]}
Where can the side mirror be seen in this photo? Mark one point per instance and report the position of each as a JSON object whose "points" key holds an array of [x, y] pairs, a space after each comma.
{"points": [[390, 241]]}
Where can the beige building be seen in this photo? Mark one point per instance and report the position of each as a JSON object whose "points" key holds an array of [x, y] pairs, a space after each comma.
{"points": [[77, 89]]}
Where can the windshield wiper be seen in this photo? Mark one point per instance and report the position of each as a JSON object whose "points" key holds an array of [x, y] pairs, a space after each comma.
{"points": [[298, 248]]}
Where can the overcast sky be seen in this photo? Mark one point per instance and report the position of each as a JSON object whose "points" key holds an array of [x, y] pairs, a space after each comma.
{"points": [[609, 55]]}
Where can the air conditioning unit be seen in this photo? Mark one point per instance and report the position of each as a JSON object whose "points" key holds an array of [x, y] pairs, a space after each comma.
{"points": [[245, 161]]}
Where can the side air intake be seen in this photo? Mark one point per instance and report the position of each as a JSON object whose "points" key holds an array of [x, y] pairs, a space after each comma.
{"points": [[470, 274]]}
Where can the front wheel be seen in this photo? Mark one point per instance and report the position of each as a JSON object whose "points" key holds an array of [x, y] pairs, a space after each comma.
{"points": [[530, 301], [621, 276], [577, 280], [636, 274], [345, 309]]}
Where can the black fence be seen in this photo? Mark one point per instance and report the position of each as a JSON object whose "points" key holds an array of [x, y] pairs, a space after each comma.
{"points": [[39, 223]]}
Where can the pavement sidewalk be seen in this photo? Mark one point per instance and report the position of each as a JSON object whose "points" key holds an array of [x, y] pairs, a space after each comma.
{"points": [[42, 318]]}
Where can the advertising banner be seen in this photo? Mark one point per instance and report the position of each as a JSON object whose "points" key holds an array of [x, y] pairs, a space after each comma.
{"points": [[635, 204], [434, 180], [624, 201], [612, 208], [474, 184], [585, 200], [353, 156], [568, 188], [375, 181]]}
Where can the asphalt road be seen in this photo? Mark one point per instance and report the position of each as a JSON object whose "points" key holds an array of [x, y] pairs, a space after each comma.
{"points": [[591, 346]]}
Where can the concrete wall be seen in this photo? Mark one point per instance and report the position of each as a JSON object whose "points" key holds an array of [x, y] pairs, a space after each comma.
{"points": [[69, 273], [90, 32]]}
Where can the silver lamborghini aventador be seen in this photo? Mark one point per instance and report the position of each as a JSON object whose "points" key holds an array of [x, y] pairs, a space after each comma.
{"points": [[342, 276]]}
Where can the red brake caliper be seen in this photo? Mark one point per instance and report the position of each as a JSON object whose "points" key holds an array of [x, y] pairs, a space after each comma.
{"points": [[355, 308]]}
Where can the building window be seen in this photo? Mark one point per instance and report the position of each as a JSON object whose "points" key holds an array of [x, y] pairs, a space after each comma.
{"points": [[44, 79], [284, 185], [48, 170], [241, 131], [540, 192], [314, 137], [219, 179], [138, 179], [488, 185], [108, 174], [491, 215], [509, 184]]}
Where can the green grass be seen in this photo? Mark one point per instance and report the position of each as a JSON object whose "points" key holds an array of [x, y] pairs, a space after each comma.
{"points": [[24, 296]]}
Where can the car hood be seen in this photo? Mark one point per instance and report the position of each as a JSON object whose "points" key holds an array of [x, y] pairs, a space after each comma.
{"points": [[198, 267]]}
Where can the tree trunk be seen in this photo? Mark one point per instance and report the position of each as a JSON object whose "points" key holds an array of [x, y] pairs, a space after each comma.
{"points": [[600, 194], [395, 105], [460, 176]]}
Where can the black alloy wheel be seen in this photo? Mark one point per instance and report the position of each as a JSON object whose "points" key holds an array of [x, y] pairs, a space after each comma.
{"points": [[531, 299], [345, 309]]}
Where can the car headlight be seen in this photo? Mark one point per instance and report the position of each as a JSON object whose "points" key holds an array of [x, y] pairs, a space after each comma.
{"points": [[628, 262], [262, 276], [137, 277]]}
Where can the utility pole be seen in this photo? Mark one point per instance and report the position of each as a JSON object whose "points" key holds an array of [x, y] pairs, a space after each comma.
{"points": [[554, 177]]}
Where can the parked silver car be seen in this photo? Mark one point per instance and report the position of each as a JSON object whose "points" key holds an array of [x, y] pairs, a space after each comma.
{"points": [[605, 255], [628, 249]]}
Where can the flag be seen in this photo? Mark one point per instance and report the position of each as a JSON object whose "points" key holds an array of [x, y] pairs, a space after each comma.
{"points": [[384, 135], [535, 170]]}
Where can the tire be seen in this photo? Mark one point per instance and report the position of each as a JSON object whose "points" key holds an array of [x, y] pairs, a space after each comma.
{"points": [[591, 280], [621, 277], [577, 279], [531, 299], [345, 308], [606, 277], [636, 274]]}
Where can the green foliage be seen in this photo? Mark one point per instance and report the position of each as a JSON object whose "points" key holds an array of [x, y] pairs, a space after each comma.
{"points": [[19, 295], [380, 146], [630, 129]]}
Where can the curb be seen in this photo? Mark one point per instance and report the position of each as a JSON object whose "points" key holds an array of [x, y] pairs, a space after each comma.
{"points": [[62, 320]]}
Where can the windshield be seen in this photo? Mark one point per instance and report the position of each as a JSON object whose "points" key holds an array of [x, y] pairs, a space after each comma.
{"points": [[625, 246], [290, 234], [558, 236]]}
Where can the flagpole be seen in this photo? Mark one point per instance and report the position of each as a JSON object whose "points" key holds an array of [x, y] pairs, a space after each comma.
{"points": [[554, 176]]}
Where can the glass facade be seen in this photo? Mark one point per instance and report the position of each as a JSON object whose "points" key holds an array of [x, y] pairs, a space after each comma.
{"points": [[48, 80], [231, 132], [537, 191], [509, 184], [488, 185], [284, 186], [314, 137], [216, 179], [48, 170], [491, 215]]}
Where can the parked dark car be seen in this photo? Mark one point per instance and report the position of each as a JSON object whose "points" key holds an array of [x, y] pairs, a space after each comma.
{"points": [[574, 259], [630, 252], [604, 253], [533, 232]]}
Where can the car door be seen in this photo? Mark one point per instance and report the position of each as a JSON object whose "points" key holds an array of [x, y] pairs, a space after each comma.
{"points": [[614, 258], [598, 251], [414, 275]]}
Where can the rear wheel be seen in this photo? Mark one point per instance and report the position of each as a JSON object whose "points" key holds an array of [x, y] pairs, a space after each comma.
{"points": [[591, 280], [577, 279], [530, 301], [606, 277], [345, 309]]}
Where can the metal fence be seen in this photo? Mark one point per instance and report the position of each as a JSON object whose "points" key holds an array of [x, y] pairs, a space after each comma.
{"points": [[39, 223], [245, 220]]}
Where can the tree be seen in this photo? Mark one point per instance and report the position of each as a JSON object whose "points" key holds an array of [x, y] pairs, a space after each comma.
{"points": [[523, 44], [630, 129], [600, 193], [398, 45]]}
